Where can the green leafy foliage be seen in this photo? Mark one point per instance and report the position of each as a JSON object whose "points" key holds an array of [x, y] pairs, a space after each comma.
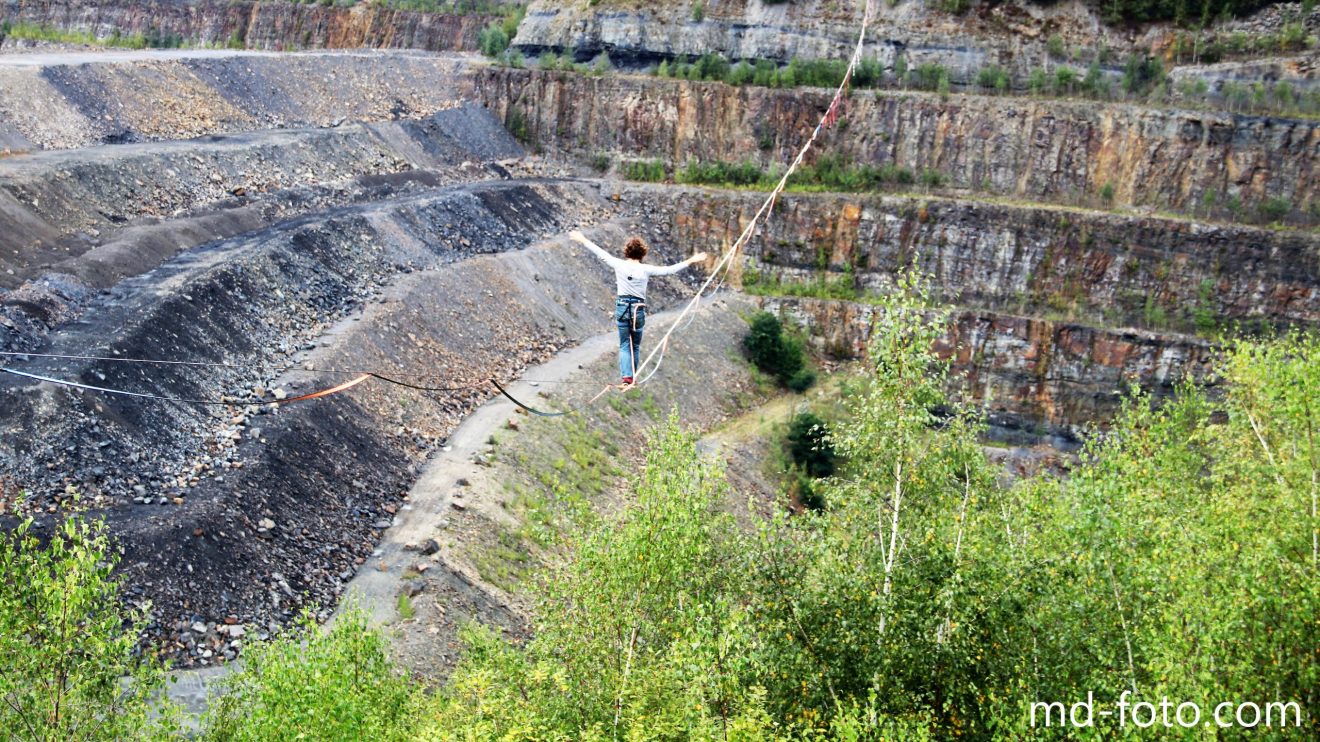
{"points": [[637, 638], [809, 445], [928, 76], [69, 669], [830, 172], [334, 683], [1142, 73], [994, 78], [493, 40], [1274, 209], [771, 350], [820, 73], [648, 171], [801, 381]]}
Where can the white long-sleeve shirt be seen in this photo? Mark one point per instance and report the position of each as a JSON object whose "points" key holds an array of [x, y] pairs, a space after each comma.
{"points": [[631, 276]]}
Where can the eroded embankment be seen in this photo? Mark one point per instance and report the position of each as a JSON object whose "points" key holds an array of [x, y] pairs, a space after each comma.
{"points": [[246, 513], [104, 213], [1052, 150], [82, 100]]}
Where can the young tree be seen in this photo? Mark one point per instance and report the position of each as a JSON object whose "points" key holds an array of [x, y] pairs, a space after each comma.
{"points": [[69, 665], [334, 683]]}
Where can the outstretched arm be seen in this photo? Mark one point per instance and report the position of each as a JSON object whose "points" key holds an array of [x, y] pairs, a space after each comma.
{"points": [[665, 270], [597, 249]]}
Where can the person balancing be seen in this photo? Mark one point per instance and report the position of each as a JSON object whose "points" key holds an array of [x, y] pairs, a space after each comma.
{"points": [[630, 277]]}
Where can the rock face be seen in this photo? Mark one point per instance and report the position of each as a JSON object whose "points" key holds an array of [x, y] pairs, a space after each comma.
{"points": [[1050, 150], [1011, 35], [1090, 266], [1030, 374], [257, 25]]}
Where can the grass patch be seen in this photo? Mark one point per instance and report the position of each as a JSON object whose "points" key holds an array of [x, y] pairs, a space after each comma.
{"points": [[504, 564], [405, 606], [824, 285], [830, 172]]}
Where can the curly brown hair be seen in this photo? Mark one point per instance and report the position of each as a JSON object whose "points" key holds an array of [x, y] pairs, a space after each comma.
{"points": [[635, 249]]}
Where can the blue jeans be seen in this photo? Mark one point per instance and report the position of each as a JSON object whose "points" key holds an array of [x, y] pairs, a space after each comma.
{"points": [[630, 316]]}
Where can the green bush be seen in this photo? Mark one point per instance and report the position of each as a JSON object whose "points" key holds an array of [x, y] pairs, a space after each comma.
{"points": [[69, 665], [808, 493], [647, 171], [1036, 82], [929, 76], [1095, 84], [993, 78], [809, 445], [1274, 209], [334, 683], [1054, 45], [493, 40], [802, 380], [772, 351], [518, 126], [1065, 80], [1141, 74]]}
